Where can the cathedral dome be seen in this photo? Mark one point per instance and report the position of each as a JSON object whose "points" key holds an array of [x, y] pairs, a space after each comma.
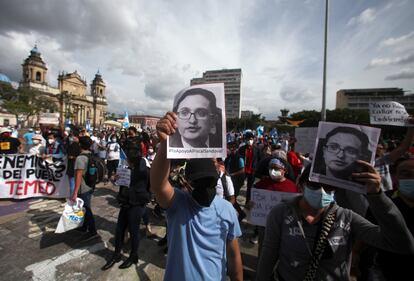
{"points": [[35, 51]]}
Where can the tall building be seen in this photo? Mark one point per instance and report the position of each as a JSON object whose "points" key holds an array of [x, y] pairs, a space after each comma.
{"points": [[232, 85], [77, 103], [360, 98], [246, 114]]}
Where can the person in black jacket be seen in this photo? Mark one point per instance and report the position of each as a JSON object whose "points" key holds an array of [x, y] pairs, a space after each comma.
{"points": [[132, 200], [73, 151]]}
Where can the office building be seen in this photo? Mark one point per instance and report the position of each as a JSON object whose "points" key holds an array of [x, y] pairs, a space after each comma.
{"points": [[232, 87], [360, 98]]}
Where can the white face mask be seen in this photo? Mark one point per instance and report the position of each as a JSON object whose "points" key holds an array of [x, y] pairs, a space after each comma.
{"points": [[275, 175], [150, 151], [250, 142], [113, 140], [51, 141], [36, 141]]}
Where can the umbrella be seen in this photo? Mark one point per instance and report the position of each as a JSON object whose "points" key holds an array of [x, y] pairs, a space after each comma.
{"points": [[113, 123]]}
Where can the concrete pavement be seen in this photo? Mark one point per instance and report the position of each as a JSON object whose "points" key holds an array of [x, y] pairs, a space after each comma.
{"points": [[30, 250]]}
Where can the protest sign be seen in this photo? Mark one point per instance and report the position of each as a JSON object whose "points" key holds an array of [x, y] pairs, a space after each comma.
{"points": [[123, 176], [25, 176], [338, 147], [388, 113], [263, 202], [49, 118], [201, 123], [305, 139]]}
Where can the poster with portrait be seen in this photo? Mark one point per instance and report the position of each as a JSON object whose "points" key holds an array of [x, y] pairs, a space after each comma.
{"points": [[337, 148], [201, 123]]}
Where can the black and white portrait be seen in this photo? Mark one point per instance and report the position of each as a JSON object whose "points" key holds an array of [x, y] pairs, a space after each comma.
{"points": [[337, 149], [200, 123]]}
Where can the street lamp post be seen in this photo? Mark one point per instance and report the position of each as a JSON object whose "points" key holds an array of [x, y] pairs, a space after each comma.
{"points": [[94, 109], [63, 100], [323, 111]]}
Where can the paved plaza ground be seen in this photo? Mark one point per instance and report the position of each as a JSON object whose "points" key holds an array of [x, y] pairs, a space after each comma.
{"points": [[30, 250]]}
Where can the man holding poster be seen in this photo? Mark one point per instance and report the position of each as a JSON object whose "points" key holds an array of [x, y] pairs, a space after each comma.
{"points": [[203, 229]]}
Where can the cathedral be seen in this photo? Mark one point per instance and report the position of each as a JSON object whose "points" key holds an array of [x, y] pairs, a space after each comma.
{"points": [[76, 104]]}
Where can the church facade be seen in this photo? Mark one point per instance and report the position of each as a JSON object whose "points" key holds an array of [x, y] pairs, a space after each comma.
{"points": [[77, 103]]}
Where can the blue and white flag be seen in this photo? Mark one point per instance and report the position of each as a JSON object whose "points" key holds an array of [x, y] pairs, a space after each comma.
{"points": [[88, 125], [125, 124], [273, 133], [123, 159], [122, 155], [260, 131]]}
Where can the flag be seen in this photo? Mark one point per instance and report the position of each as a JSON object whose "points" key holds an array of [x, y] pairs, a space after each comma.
{"points": [[88, 125], [260, 131], [273, 133], [123, 159], [122, 155], [125, 124]]}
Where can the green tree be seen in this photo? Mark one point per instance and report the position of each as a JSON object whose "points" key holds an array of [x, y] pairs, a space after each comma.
{"points": [[245, 123], [350, 116], [24, 103]]}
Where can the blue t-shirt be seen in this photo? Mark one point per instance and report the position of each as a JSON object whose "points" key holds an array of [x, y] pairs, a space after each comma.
{"points": [[241, 163], [28, 137], [197, 238]]}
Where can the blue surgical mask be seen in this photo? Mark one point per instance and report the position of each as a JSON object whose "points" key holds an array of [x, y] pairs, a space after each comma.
{"points": [[318, 198], [406, 187]]}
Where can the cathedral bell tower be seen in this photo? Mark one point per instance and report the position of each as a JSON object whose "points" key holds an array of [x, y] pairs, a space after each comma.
{"points": [[34, 68], [99, 100], [98, 86]]}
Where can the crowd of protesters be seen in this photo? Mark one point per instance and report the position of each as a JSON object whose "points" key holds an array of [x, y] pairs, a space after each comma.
{"points": [[371, 236]]}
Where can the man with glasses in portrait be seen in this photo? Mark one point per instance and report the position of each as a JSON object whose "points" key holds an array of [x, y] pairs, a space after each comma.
{"points": [[199, 120], [338, 152]]}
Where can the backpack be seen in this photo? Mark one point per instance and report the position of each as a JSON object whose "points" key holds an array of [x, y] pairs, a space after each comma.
{"points": [[223, 180], [95, 171]]}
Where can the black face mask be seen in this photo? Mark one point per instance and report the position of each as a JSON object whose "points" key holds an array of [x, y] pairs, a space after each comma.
{"points": [[204, 191]]}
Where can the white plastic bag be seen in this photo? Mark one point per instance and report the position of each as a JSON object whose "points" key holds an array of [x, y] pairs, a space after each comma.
{"points": [[72, 217]]}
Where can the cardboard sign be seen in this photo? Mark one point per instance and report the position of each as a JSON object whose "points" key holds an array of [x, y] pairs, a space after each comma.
{"points": [[388, 113], [305, 139], [25, 176], [124, 176], [264, 201], [49, 118]]}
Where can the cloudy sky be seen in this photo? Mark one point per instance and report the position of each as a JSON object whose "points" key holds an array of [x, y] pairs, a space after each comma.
{"points": [[147, 51]]}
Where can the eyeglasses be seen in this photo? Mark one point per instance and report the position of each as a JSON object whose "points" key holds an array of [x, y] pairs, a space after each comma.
{"points": [[199, 114], [316, 186], [348, 151]]}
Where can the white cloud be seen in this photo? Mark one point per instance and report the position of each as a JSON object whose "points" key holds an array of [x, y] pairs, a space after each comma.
{"points": [[398, 40], [148, 50], [406, 74], [407, 59], [367, 16]]}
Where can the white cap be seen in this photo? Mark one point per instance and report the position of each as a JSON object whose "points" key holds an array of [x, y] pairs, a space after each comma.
{"points": [[5, 130]]}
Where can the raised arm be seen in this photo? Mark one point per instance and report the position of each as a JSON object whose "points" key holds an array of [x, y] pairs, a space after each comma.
{"points": [[160, 169], [391, 233]]}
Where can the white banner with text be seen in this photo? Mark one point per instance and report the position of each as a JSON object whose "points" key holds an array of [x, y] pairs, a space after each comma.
{"points": [[25, 176]]}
